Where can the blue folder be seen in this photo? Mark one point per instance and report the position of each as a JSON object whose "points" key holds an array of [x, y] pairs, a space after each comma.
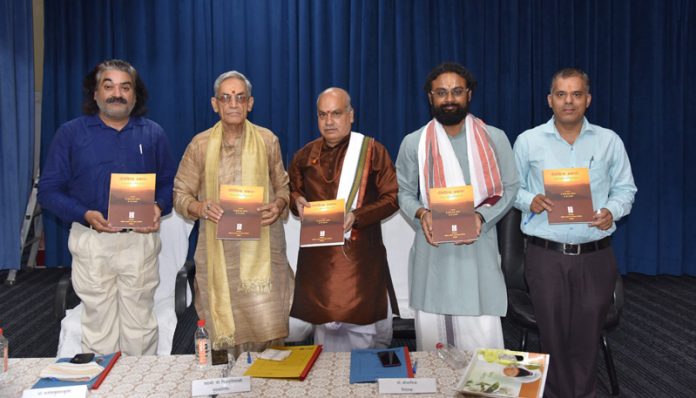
{"points": [[365, 366], [103, 360]]}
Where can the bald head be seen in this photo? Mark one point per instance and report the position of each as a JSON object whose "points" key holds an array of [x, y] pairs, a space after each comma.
{"points": [[335, 91], [334, 115]]}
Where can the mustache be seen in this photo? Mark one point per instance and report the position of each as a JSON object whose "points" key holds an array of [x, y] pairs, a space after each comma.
{"points": [[449, 117], [454, 104], [121, 100]]}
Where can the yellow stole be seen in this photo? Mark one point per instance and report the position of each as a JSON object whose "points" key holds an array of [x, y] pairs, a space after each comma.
{"points": [[255, 255]]}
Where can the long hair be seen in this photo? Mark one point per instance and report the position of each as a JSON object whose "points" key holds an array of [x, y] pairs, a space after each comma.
{"points": [[90, 82]]}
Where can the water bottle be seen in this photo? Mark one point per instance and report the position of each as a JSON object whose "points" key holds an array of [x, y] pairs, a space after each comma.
{"points": [[4, 349], [453, 356], [201, 341]]}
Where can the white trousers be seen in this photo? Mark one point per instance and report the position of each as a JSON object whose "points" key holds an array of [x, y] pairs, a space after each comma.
{"points": [[464, 332], [342, 337], [115, 275]]}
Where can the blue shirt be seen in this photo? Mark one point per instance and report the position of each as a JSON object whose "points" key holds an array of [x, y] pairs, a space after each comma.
{"points": [[76, 175], [611, 180]]}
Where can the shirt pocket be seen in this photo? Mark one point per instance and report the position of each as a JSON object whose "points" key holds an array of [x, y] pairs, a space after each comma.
{"points": [[599, 173]]}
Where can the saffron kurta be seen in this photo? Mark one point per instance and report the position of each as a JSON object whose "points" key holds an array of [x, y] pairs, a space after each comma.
{"points": [[343, 283], [259, 317], [457, 279]]}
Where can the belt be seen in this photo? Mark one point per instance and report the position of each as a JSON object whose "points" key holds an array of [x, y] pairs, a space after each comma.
{"points": [[568, 248], [123, 231]]}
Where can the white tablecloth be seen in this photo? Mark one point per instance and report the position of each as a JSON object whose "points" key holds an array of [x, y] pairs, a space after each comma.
{"points": [[171, 376]]}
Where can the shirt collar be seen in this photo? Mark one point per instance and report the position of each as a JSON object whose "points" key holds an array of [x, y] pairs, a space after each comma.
{"points": [[95, 120], [550, 127]]}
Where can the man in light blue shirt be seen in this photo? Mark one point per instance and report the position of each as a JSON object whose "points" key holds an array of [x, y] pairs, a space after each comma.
{"points": [[570, 268]]}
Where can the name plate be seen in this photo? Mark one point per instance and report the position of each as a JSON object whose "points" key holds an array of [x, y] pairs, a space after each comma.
{"points": [[62, 392], [423, 385], [224, 385]]}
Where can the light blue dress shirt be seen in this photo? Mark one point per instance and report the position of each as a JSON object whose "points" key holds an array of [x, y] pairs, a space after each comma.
{"points": [[611, 180]]}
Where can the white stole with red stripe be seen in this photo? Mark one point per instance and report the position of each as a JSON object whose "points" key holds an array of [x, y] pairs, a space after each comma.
{"points": [[438, 165]]}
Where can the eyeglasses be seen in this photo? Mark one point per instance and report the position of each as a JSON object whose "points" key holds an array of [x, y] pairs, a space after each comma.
{"points": [[564, 95], [333, 114], [456, 92], [227, 98]]}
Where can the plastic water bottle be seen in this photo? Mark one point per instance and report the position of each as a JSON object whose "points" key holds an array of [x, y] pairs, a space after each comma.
{"points": [[201, 341], [453, 356], [4, 351]]}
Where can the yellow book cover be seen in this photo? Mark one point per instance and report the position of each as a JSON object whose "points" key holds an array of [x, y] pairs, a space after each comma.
{"points": [[452, 210], [322, 223], [240, 220], [132, 200], [296, 366], [569, 190]]}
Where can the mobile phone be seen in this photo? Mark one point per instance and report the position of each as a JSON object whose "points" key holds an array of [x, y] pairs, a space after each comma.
{"points": [[82, 358], [388, 358]]}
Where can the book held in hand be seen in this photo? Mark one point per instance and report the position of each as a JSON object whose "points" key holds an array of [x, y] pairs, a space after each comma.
{"points": [[132, 200], [452, 211], [569, 190], [322, 224], [240, 220], [505, 373]]}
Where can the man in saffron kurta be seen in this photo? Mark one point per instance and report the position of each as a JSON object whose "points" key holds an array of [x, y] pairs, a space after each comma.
{"points": [[243, 288], [343, 290], [457, 289]]}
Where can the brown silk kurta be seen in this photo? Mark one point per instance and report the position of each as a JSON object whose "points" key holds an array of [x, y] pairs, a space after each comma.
{"points": [[343, 283], [258, 317]]}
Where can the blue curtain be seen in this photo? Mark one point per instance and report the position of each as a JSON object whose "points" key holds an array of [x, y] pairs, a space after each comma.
{"points": [[16, 124], [640, 55]]}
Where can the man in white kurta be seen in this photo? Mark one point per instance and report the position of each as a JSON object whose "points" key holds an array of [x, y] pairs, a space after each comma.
{"points": [[457, 289]]}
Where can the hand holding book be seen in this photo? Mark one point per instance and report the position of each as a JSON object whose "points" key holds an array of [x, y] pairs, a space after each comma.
{"points": [[206, 210], [602, 219], [271, 211], [301, 203], [95, 219], [155, 222], [478, 221], [540, 203]]}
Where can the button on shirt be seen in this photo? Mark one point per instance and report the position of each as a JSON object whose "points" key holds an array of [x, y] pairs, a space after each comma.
{"points": [[611, 180], [76, 175]]}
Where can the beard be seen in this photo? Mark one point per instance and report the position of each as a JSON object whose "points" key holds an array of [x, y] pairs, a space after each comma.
{"points": [[449, 117]]}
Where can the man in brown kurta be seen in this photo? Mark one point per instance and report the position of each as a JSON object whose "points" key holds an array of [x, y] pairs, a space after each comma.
{"points": [[260, 317], [343, 290]]}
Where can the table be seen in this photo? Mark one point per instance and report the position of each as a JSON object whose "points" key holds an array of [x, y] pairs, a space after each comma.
{"points": [[171, 376]]}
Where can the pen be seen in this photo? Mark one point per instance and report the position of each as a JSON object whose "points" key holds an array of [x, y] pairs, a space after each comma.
{"points": [[141, 148], [529, 218], [415, 366], [248, 357], [591, 160]]}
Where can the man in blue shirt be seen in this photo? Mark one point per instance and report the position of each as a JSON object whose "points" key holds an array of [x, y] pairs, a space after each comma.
{"points": [[114, 271], [570, 268]]}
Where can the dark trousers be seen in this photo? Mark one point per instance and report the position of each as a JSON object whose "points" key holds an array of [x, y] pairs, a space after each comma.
{"points": [[571, 296]]}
